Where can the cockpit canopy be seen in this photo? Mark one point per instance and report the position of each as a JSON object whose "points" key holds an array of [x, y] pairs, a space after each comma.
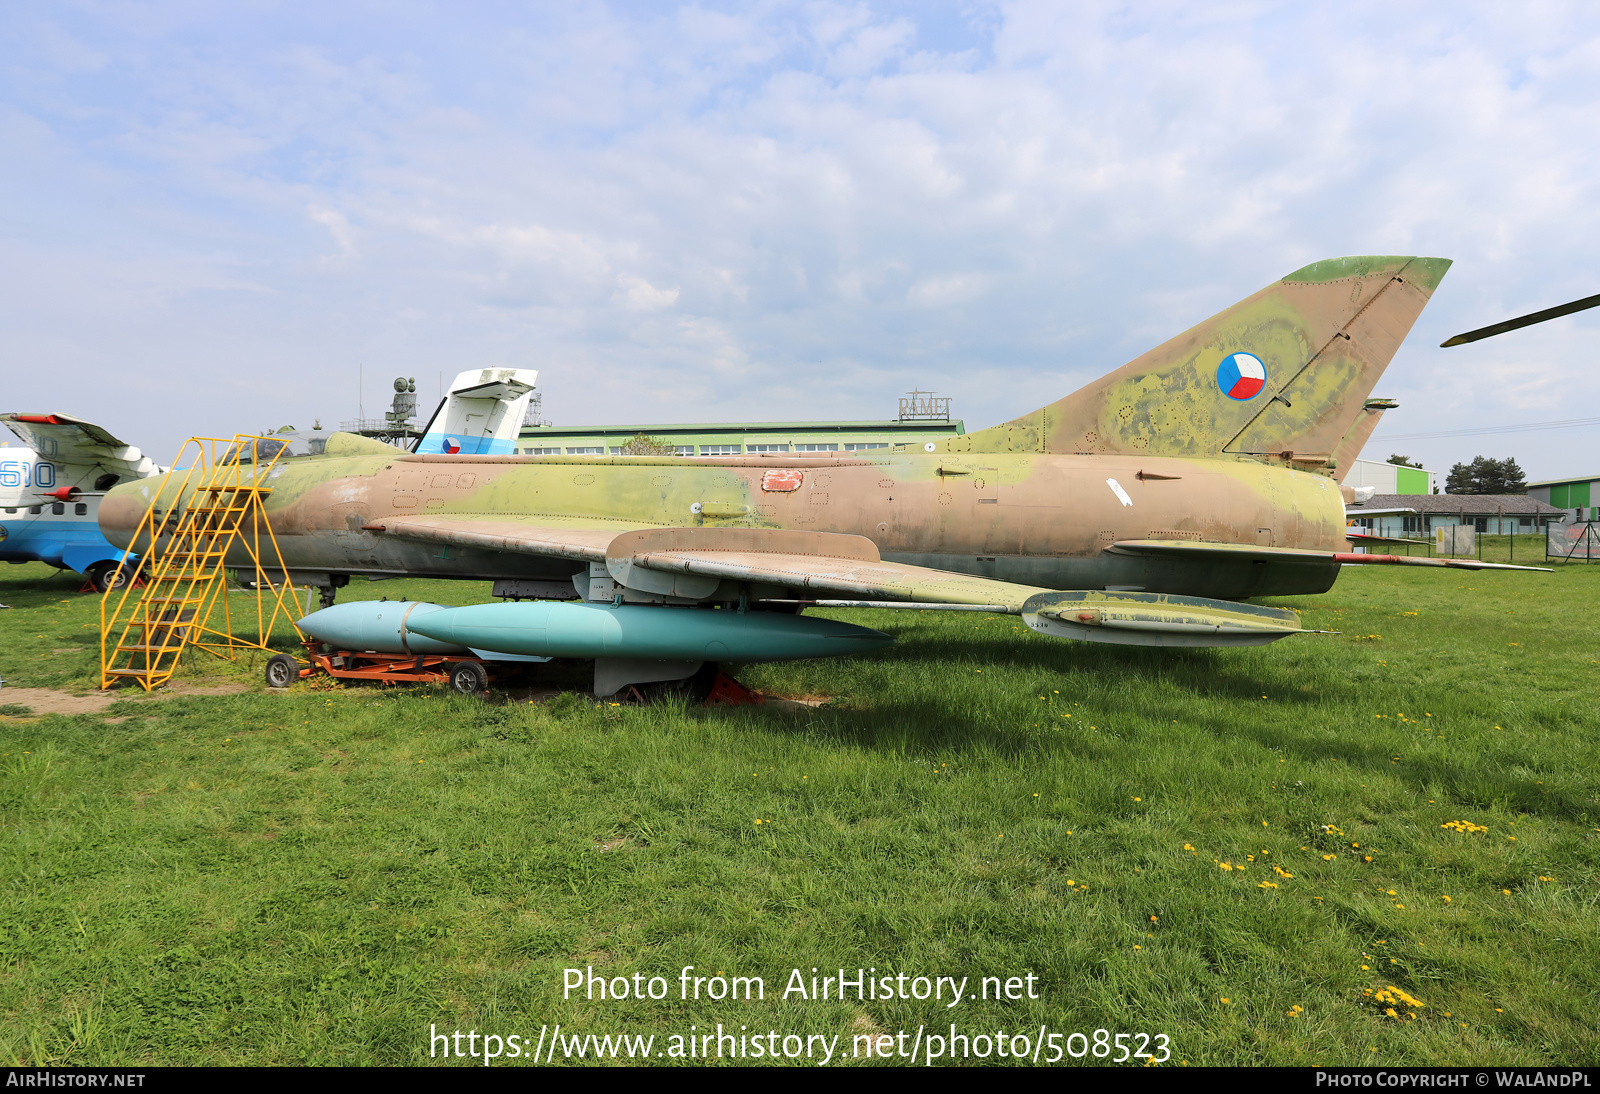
{"points": [[286, 444]]}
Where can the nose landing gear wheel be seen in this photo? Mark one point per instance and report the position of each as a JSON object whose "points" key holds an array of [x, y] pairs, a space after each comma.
{"points": [[468, 678]]}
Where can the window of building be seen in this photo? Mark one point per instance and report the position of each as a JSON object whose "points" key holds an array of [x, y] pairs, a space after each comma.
{"points": [[586, 451], [81, 509], [721, 449], [1411, 524], [865, 447], [616, 450], [816, 448], [683, 450], [1525, 522], [769, 448], [542, 451], [1480, 524]]}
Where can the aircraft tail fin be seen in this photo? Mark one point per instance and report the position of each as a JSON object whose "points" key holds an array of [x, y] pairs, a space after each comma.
{"points": [[1283, 373], [482, 413]]}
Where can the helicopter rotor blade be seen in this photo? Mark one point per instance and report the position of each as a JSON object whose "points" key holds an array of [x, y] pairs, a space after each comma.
{"points": [[1522, 321]]}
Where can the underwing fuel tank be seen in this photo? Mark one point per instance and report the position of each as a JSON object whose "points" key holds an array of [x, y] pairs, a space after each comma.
{"points": [[554, 629], [377, 626]]}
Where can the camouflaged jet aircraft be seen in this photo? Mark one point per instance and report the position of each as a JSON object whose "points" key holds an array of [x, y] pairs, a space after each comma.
{"points": [[1141, 509]]}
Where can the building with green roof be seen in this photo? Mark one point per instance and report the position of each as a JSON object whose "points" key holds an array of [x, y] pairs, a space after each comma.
{"points": [[737, 438]]}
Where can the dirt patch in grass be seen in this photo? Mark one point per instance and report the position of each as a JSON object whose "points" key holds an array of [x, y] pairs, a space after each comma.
{"points": [[51, 701], [54, 701]]}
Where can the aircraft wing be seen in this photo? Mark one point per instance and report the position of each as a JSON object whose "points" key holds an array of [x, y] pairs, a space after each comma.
{"points": [[70, 440], [553, 537], [1190, 549], [694, 561], [808, 561]]}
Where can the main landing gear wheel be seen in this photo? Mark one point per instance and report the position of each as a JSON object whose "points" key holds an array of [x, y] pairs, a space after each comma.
{"points": [[106, 576], [282, 670], [468, 678]]}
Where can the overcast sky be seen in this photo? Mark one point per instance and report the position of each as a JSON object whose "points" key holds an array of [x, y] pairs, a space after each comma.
{"points": [[213, 217]]}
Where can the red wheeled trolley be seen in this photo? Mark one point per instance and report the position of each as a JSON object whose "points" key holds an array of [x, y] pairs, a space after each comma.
{"points": [[469, 675], [464, 673]]}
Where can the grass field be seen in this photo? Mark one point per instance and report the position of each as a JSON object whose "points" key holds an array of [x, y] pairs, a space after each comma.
{"points": [[1246, 851]]}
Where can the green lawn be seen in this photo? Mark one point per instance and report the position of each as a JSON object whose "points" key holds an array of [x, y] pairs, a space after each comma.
{"points": [[1237, 849]]}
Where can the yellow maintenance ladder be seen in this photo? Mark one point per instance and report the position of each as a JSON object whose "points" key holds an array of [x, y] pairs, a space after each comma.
{"points": [[210, 503]]}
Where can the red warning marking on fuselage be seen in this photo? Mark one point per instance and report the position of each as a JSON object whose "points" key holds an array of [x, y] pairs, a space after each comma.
{"points": [[781, 482]]}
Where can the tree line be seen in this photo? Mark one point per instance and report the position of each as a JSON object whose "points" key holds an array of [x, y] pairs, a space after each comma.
{"points": [[1484, 475]]}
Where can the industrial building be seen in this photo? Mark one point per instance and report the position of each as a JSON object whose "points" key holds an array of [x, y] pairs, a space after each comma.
{"points": [[734, 439], [1570, 494], [923, 417], [1418, 515], [1390, 478]]}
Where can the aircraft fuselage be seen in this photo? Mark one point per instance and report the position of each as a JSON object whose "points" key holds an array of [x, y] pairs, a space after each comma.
{"points": [[1032, 519]]}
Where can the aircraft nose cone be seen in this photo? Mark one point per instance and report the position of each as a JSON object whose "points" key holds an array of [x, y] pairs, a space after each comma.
{"points": [[120, 512]]}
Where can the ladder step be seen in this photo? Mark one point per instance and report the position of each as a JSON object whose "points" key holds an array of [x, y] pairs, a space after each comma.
{"points": [[149, 649]]}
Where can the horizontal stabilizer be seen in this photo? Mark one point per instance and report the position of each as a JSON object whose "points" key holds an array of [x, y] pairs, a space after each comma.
{"points": [[1221, 552], [1363, 537], [1352, 559], [1157, 619]]}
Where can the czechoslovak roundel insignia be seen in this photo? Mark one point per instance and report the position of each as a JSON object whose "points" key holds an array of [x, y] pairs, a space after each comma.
{"points": [[1241, 376]]}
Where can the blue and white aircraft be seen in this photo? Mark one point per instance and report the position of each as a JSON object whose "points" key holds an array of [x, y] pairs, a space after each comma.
{"points": [[50, 490], [482, 414]]}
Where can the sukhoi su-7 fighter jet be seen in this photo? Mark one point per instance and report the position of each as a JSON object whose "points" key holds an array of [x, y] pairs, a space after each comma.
{"points": [[1146, 508]]}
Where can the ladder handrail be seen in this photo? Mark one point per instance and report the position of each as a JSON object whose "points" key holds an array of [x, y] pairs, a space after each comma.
{"points": [[201, 514]]}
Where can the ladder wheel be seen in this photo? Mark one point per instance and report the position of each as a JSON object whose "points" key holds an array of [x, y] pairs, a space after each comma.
{"points": [[282, 671], [468, 678]]}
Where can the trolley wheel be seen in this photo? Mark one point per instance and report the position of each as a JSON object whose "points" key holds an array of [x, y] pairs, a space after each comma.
{"points": [[282, 670], [468, 678], [107, 576]]}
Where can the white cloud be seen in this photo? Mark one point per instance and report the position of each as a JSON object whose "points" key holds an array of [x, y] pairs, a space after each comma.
{"points": [[640, 295], [784, 209], [339, 228]]}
